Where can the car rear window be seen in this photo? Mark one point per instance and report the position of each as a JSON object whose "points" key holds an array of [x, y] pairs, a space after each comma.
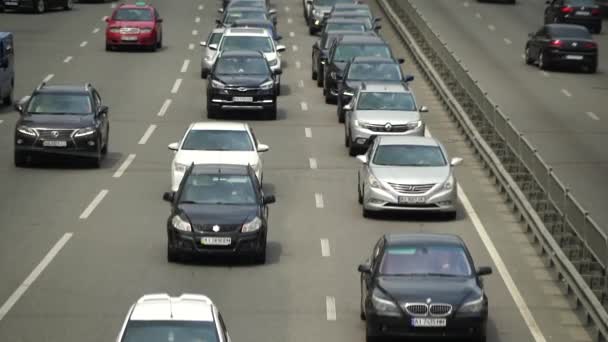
{"points": [[170, 331], [580, 2], [445, 260], [374, 71], [133, 14], [571, 32], [227, 189], [250, 43]]}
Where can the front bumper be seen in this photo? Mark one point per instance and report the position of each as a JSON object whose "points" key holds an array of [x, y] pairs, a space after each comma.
{"points": [[18, 4], [75, 147], [190, 242], [461, 327], [224, 99], [437, 199], [140, 39], [360, 137]]}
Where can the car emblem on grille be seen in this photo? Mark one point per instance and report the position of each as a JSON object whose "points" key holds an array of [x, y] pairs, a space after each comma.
{"points": [[408, 187], [428, 300], [242, 89], [216, 228], [574, 44], [388, 127], [55, 134]]}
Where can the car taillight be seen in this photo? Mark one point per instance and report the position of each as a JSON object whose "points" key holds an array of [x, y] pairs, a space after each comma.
{"points": [[566, 9], [590, 45], [556, 43], [595, 11]]}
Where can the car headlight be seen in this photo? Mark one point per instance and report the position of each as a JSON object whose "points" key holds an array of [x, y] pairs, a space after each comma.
{"points": [[180, 224], [26, 130], [414, 124], [252, 226], [449, 183], [114, 30], [217, 84], [384, 306], [83, 132], [179, 167], [374, 182], [273, 62], [267, 85], [146, 30], [473, 306]]}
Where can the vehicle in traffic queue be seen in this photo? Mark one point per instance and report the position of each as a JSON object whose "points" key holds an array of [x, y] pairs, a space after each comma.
{"points": [[226, 3], [374, 22], [134, 25], [423, 285], [160, 317], [65, 120], [256, 23], [580, 12], [233, 14], [37, 6], [7, 68], [368, 69], [556, 45], [341, 52], [210, 50], [218, 210], [258, 4], [344, 24], [216, 143], [317, 11], [407, 173]]}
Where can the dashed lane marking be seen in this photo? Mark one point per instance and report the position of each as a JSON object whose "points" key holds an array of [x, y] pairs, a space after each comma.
{"points": [[298, 64], [589, 114], [48, 78], [197, 19], [190, 46], [194, 32], [89, 209], [313, 163], [83, 44], [164, 107], [566, 92], [104, 18], [294, 48], [319, 200], [330, 305], [478, 15], [147, 134], [176, 85], [465, 4], [185, 66], [301, 83], [123, 167], [304, 106], [543, 72], [308, 132], [289, 20], [113, 6], [508, 41], [292, 34], [67, 59], [201, 7], [325, 251], [491, 27], [286, 8], [95, 30]]}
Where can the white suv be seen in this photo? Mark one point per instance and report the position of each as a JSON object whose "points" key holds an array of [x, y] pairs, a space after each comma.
{"points": [[160, 317]]}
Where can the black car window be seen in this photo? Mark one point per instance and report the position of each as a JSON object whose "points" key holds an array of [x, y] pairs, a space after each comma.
{"points": [[263, 44], [374, 71], [170, 331], [219, 189], [133, 14], [217, 140], [56, 103], [242, 66], [345, 52], [331, 2], [356, 27], [386, 101], [409, 155], [214, 38], [428, 259], [570, 32]]}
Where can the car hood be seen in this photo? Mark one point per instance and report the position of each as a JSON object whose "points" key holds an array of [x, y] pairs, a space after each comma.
{"points": [[217, 157], [382, 117], [138, 24], [242, 80], [218, 214], [412, 175], [439, 289], [57, 121]]}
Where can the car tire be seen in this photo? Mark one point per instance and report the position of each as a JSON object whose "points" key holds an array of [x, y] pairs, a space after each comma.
{"points": [[172, 255], [591, 68], [260, 258], [204, 74], [272, 113], [542, 63], [314, 76], [359, 194], [352, 150], [597, 29], [480, 338], [346, 136], [153, 47], [311, 31], [370, 338], [40, 7], [69, 4], [529, 60], [278, 87], [361, 310], [320, 79], [328, 98], [20, 159], [159, 44], [96, 160], [8, 99], [104, 150], [340, 111]]}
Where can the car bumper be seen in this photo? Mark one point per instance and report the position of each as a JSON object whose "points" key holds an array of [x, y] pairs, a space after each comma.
{"points": [[141, 39], [261, 100], [63, 151], [456, 327], [561, 57], [439, 200], [21, 4], [591, 21], [241, 243], [361, 137]]}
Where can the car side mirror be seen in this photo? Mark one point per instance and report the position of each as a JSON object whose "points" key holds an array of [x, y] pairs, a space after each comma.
{"points": [[159, 20], [456, 161], [272, 11], [103, 110], [268, 199], [377, 20], [362, 158], [364, 268], [213, 46], [400, 60], [169, 196], [173, 146], [423, 109], [408, 78], [106, 19], [281, 48], [203, 43], [484, 270], [348, 107], [309, 2], [19, 107], [278, 72], [263, 148]]}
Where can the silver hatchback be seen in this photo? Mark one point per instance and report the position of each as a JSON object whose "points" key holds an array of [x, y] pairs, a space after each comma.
{"points": [[210, 50], [407, 173]]}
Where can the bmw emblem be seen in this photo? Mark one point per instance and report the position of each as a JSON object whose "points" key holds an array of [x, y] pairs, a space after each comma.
{"points": [[388, 126], [55, 134], [428, 300], [216, 228]]}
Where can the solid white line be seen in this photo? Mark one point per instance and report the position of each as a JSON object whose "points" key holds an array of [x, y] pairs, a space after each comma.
{"points": [[478, 15], [85, 214], [48, 78], [185, 65], [566, 92], [330, 304], [83, 44], [308, 132], [31, 278], [292, 34], [589, 114], [313, 163], [298, 64], [319, 200], [508, 41], [201, 7], [67, 59], [301, 83], [176, 85], [123, 167], [295, 48], [147, 134], [491, 27], [325, 251], [164, 107], [190, 46], [289, 20], [197, 19], [194, 32], [304, 106], [95, 30]]}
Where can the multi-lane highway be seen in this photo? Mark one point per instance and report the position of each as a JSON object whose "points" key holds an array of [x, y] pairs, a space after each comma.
{"points": [[80, 245], [561, 112]]}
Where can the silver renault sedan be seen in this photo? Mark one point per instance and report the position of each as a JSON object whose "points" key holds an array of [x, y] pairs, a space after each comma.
{"points": [[407, 173]]}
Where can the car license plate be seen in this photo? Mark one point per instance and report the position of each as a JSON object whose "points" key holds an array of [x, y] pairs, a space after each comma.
{"points": [[216, 241], [429, 322], [242, 99], [574, 57], [583, 13], [55, 143], [412, 199], [129, 38]]}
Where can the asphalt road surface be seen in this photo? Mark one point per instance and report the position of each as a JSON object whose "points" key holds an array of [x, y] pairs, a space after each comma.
{"points": [[80, 245]]}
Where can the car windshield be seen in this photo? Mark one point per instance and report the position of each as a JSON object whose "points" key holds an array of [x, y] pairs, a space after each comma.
{"points": [[214, 38], [351, 12], [246, 3], [49, 103], [409, 155], [580, 2], [217, 140], [242, 66], [571, 32], [386, 101], [170, 331], [355, 27], [345, 52], [133, 14], [332, 2], [263, 44], [374, 71], [438, 260], [218, 189], [234, 16]]}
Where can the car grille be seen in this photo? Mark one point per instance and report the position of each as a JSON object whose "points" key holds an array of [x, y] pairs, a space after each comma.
{"points": [[222, 227], [440, 310], [242, 91], [416, 309], [129, 30], [387, 128], [55, 134], [411, 189], [422, 309]]}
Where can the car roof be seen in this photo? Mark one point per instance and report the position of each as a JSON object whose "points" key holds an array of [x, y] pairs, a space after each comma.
{"points": [[350, 14], [242, 53], [136, 5], [406, 140], [349, 6], [373, 59], [383, 87], [253, 21], [362, 40], [162, 307], [403, 238], [246, 31], [212, 169], [82, 89], [218, 126]]}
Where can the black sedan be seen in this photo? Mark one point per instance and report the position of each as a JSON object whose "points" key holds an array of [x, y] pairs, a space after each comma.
{"points": [[218, 209], [423, 285], [564, 45], [581, 12]]}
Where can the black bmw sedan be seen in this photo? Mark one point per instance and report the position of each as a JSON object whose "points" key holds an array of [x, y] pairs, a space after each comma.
{"points": [[423, 285], [218, 209]]}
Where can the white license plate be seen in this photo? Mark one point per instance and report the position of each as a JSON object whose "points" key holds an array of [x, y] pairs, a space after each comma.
{"points": [[574, 57], [216, 241], [412, 199], [129, 38], [582, 13], [242, 99], [55, 143], [429, 322]]}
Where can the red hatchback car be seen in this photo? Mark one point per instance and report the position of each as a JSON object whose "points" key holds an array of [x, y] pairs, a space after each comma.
{"points": [[137, 25]]}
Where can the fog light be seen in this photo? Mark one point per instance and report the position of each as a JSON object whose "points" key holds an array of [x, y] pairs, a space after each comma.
{"points": [[19, 141], [91, 143], [360, 141]]}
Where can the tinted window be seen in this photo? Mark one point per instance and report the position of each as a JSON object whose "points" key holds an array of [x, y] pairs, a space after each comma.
{"points": [[218, 189], [345, 27], [49, 103], [571, 32], [449, 260], [242, 66], [170, 331], [409, 155], [133, 14], [214, 38], [374, 71], [263, 44], [345, 52], [233, 16], [220, 140], [332, 2], [386, 101]]}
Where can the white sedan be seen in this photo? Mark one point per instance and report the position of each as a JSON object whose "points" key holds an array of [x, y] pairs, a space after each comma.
{"points": [[216, 143]]}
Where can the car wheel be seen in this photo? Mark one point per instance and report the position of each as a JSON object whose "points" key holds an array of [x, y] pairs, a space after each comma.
{"points": [[104, 150], [359, 194], [597, 29], [204, 73], [20, 159], [109, 47], [96, 160], [272, 114], [451, 215], [528, 58], [153, 47], [69, 4], [160, 42], [278, 88], [346, 136], [172, 255], [366, 213], [370, 338], [542, 64], [314, 73], [40, 7], [361, 305], [260, 258], [320, 76], [591, 68], [352, 150], [8, 99], [311, 31]]}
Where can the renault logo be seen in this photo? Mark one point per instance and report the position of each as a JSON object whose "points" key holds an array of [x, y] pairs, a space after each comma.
{"points": [[388, 127], [55, 134], [216, 228]]}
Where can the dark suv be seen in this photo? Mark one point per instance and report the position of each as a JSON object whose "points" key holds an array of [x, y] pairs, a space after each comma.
{"points": [[242, 80], [62, 120], [38, 6]]}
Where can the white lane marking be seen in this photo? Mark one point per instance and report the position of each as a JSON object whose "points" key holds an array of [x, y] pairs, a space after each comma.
{"points": [[67, 59], [95, 30], [304, 106], [566, 92], [194, 32], [83, 44], [185, 66], [313, 163], [491, 27], [289, 20], [298, 64], [508, 41], [123, 167], [523, 56], [465, 4], [330, 305], [201, 7], [301, 83], [147, 134], [292, 34], [319, 200], [1, 121], [197, 19], [286, 8], [294, 48], [104, 18], [176, 85], [31, 278], [48, 78], [589, 114], [164, 107], [113, 6], [89, 210], [325, 251], [478, 15], [190, 46], [308, 132], [543, 72]]}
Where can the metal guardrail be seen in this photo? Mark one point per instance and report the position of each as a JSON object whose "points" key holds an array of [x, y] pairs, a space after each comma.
{"points": [[572, 241]]}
